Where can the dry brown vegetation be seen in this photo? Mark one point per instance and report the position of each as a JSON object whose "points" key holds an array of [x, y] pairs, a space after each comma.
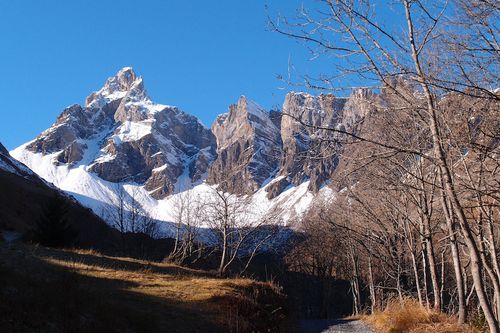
{"points": [[47, 290], [417, 202], [409, 316]]}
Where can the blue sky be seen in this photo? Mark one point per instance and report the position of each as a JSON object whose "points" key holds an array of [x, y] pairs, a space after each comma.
{"points": [[198, 55]]}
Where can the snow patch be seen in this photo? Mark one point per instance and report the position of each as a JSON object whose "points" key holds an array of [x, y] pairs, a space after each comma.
{"points": [[133, 131], [159, 169], [99, 195]]}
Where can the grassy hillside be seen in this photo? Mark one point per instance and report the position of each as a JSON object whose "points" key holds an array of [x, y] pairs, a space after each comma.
{"points": [[47, 290]]}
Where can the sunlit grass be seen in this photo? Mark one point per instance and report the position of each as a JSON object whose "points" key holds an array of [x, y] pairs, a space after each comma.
{"points": [[116, 293], [173, 283], [409, 316]]}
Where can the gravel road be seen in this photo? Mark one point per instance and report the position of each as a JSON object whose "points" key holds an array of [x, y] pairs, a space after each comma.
{"points": [[334, 326]]}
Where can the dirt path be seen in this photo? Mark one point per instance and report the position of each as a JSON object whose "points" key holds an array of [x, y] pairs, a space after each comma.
{"points": [[334, 326]]}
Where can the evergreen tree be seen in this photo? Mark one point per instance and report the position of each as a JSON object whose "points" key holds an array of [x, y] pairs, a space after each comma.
{"points": [[53, 227]]}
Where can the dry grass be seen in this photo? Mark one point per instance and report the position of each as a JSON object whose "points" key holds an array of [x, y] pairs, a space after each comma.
{"points": [[408, 316], [49, 290]]}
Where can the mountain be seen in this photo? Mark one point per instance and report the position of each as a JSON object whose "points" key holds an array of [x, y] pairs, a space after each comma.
{"points": [[122, 136], [248, 148], [121, 141], [22, 207], [12, 166]]}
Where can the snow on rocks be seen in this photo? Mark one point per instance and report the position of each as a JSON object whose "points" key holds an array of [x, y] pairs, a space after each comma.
{"points": [[122, 139]]}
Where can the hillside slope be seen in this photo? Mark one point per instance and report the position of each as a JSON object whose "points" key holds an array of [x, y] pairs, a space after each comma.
{"points": [[24, 196], [111, 294]]}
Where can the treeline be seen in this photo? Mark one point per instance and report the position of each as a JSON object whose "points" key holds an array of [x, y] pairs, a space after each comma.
{"points": [[215, 230], [392, 230]]}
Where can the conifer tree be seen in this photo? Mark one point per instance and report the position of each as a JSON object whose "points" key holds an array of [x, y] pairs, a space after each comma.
{"points": [[53, 227]]}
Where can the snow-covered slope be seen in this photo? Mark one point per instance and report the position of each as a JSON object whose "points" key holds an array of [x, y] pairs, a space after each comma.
{"points": [[9, 164], [122, 142], [99, 195]]}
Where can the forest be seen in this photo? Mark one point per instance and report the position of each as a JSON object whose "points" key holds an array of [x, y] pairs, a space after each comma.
{"points": [[417, 209]]}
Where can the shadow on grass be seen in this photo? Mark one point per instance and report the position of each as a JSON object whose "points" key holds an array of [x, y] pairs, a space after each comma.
{"points": [[37, 296], [123, 264]]}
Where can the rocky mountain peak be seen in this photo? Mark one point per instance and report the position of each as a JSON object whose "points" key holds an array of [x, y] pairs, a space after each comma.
{"points": [[248, 147], [241, 121], [303, 143], [117, 87], [122, 81], [121, 136], [250, 108], [135, 105]]}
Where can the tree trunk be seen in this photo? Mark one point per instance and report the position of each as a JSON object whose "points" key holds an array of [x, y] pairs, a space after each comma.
{"points": [[424, 270], [457, 265], [373, 297], [417, 280], [496, 269], [490, 272], [441, 291], [432, 262], [476, 265], [355, 284], [224, 252]]}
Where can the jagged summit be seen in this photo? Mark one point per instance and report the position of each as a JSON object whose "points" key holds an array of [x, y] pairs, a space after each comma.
{"points": [[126, 91], [123, 80], [248, 148], [116, 87], [230, 126], [251, 107], [121, 138]]}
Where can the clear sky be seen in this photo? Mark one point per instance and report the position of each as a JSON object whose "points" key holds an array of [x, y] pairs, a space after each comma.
{"points": [[198, 55]]}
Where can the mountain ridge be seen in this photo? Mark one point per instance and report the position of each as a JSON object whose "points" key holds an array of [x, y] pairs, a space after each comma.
{"points": [[122, 138]]}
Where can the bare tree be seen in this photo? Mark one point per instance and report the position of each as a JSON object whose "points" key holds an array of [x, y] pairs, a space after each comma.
{"points": [[238, 231], [118, 209], [188, 215], [437, 55], [127, 215]]}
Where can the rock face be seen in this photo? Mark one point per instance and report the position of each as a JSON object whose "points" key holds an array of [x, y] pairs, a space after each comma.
{"points": [[285, 148], [310, 151], [248, 148], [123, 136], [304, 147]]}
